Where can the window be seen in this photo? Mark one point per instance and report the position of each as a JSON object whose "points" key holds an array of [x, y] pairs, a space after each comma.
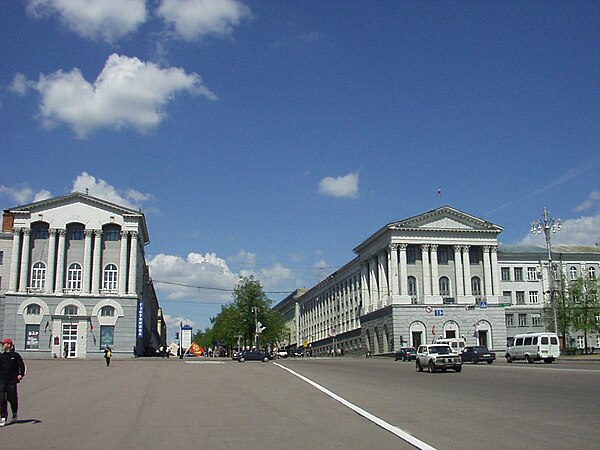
{"points": [[1, 257], [411, 254], [110, 277], [476, 287], [33, 310], [40, 231], [107, 311], [536, 319], [510, 320], [522, 320], [412, 288], [533, 297], [76, 232], [112, 233], [107, 336], [520, 297], [32, 337], [573, 272], [74, 277], [531, 274], [580, 342], [507, 297], [518, 274], [444, 287], [38, 276], [591, 273], [505, 273], [442, 255], [474, 255], [71, 310]]}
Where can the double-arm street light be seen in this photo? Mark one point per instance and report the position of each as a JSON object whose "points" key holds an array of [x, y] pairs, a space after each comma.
{"points": [[548, 226]]}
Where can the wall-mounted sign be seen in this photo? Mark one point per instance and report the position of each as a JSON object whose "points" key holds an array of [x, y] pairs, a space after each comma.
{"points": [[140, 320]]}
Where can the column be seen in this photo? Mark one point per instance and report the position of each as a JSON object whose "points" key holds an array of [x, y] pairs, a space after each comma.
{"points": [[374, 295], [86, 271], [51, 261], [487, 270], [458, 272], [393, 265], [133, 263], [364, 293], [467, 270], [24, 277], [495, 271], [97, 262], [123, 263], [60, 261], [426, 273], [14, 260], [403, 275], [435, 282], [382, 258]]}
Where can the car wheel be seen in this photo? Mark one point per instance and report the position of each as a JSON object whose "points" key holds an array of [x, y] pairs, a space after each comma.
{"points": [[474, 360], [419, 366], [458, 368], [431, 367], [548, 360], [489, 362], [528, 359], [265, 359], [242, 359], [509, 358]]}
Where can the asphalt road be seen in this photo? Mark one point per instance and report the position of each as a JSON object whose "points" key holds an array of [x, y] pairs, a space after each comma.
{"points": [[304, 403]]}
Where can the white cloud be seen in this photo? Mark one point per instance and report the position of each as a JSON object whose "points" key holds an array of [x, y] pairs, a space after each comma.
{"points": [[20, 84], [173, 322], [582, 231], [244, 258], [193, 19], [23, 194], [99, 188], [589, 202], [128, 92], [107, 20], [343, 186]]}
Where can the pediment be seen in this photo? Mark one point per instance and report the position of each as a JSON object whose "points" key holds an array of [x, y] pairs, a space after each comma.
{"points": [[446, 219], [75, 198]]}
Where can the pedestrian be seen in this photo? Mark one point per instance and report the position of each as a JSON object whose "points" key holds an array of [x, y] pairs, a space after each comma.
{"points": [[12, 371], [107, 355]]}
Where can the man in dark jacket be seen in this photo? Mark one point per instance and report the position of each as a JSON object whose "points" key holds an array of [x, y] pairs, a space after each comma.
{"points": [[12, 371]]}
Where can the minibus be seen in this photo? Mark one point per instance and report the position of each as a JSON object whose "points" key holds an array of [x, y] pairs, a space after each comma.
{"points": [[533, 347]]}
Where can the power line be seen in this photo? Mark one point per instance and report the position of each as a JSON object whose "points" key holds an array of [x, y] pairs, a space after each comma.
{"points": [[213, 288]]}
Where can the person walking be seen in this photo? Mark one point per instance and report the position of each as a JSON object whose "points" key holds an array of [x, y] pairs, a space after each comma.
{"points": [[12, 371], [107, 355]]}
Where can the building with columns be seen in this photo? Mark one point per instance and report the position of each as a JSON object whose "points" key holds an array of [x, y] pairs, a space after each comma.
{"points": [[78, 280], [438, 274]]}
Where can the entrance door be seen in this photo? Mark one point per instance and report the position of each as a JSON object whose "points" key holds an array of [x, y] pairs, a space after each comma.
{"points": [[483, 340], [69, 340], [416, 338]]}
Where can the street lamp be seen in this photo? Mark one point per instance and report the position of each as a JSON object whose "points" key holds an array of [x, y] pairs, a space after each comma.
{"points": [[548, 226]]}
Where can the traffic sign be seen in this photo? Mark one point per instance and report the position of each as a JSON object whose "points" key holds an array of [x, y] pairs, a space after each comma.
{"points": [[439, 312], [428, 309], [483, 304]]}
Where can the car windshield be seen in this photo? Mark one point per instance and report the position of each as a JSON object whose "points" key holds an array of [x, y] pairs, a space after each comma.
{"points": [[440, 349], [480, 349]]}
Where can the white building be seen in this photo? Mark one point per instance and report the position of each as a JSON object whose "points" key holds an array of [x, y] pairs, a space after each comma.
{"points": [[438, 274], [77, 280]]}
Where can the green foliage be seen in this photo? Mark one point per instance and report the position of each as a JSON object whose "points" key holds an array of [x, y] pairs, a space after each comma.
{"points": [[586, 304]]}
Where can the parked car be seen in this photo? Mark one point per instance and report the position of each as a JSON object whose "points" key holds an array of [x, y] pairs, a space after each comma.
{"points": [[282, 353], [476, 354], [298, 352], [406, 354], [533, 347], [437, 357], [254, 355]]}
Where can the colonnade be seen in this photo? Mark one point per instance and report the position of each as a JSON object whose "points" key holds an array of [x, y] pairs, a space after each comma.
{"points": [[56, 274]]}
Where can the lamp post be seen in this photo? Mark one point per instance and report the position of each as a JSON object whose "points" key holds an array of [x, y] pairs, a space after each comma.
{"points": [[548, 226]]}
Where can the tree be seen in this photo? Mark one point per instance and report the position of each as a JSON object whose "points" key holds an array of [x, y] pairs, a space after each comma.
{"points": [[586, 306]]}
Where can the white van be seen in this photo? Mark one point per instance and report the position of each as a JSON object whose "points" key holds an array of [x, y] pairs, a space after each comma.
{"points": [[456, 344], [533, 347]]}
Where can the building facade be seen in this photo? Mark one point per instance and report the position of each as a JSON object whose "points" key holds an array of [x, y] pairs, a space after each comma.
{"points": [[438, 274], [77, 280]]}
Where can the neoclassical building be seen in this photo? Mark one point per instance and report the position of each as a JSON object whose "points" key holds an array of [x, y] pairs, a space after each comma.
{"points": [[438, 274], [77, 280]]}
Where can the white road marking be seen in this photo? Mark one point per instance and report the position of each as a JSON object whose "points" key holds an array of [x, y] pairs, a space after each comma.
{"points": [[205, 362], [367, 415]]}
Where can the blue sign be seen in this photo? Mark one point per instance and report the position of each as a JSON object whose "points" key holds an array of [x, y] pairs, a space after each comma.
{"points": [[439, 312], [483, 304], [140, 319]]}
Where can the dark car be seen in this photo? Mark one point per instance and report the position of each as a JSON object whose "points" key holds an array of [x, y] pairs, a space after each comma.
{"points": [[254, 355], [298, 352], [477, 354], [406, 354]]}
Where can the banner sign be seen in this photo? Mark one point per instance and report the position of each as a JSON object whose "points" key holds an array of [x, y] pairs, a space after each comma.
{"points": [[140, 320]]}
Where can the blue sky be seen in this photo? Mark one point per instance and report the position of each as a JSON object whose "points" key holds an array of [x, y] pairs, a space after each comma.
{"points": [[271, 138]]}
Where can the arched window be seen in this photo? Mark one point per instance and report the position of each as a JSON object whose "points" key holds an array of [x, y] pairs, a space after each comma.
{"points": [[33, 309], [112, 233], [71, 310], [76, 232], [592, 273], [107, 311], [110, 278], [412, 289], [74, 277], [39, 230], [444, 287], [476, 287], [38, 276], [573, 272]]}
